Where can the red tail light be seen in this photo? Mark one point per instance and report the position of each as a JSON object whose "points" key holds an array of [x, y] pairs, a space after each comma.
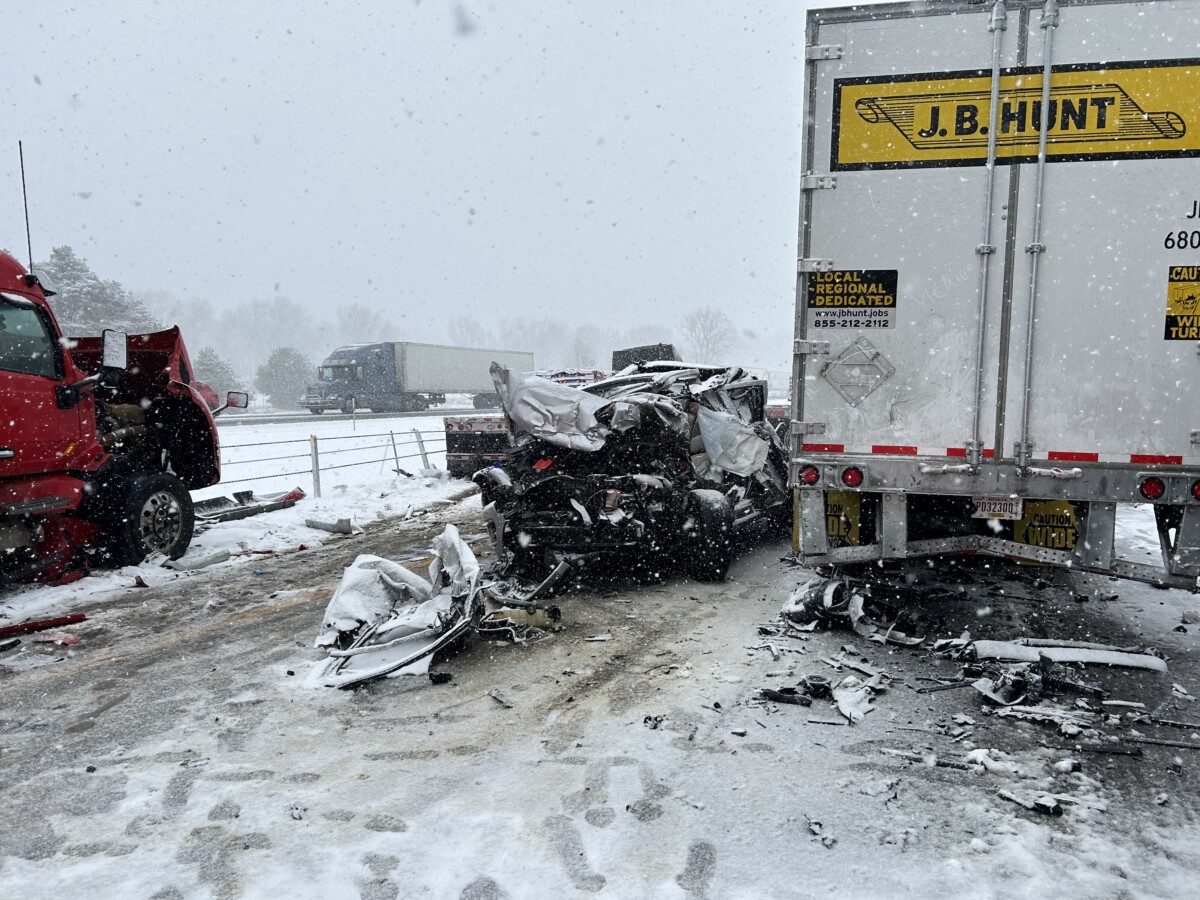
{"points": [[852, 477], [1152, 488], [810, 475], [1196, 490]]}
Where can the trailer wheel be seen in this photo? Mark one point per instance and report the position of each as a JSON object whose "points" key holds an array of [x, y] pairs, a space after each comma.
{"points": [[708, 546], [156, 517], [315, 410]]}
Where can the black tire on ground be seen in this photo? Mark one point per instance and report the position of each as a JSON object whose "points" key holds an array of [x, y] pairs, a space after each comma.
{"points": [[315, 411], [155, 515], [348, 406], [708, 549]]}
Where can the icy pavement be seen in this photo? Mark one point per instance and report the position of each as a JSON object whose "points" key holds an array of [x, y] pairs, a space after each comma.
{"points": [[182, 756]]}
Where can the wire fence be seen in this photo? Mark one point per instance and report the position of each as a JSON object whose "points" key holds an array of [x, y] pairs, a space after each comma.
{"points": [[396, 451]]}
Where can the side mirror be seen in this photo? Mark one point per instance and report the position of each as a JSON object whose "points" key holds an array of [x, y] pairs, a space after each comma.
{"points": [[114, 349], [233, 400]]}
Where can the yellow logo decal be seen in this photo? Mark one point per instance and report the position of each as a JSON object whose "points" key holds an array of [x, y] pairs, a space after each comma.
{"points": [[1095, 112]]}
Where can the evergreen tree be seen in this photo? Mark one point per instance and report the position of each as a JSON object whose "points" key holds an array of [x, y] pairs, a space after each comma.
{"points": [[86, 305], [284, 377], [213, 370]]}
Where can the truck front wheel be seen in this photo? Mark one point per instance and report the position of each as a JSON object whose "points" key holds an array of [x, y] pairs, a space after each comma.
{"points": [[316, 410], [156, 517]]}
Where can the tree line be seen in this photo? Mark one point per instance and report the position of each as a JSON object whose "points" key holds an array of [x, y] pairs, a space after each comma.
{"points": [[271, 346]]}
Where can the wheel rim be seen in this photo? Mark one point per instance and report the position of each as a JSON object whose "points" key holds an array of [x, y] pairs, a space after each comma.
{"points": [[161, 521]]}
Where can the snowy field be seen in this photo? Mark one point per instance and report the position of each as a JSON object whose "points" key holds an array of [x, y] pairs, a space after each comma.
{"points": [[358, 482]]}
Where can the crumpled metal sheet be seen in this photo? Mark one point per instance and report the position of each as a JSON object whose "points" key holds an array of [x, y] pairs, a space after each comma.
{"points": [[395, 620], [730, 443], [552, 412]]}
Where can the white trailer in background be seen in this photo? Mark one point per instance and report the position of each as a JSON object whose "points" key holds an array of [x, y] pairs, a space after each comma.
{"points": [[997, 320]]}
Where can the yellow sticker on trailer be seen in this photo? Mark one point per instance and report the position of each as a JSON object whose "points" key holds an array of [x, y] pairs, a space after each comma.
{"points": [[1183, 304], [1048, 523], [1120, 110], [843, 516]]}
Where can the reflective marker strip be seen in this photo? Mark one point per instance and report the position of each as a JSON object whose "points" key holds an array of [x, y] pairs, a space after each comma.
{"points": [[962, 451], [893, 450], [1149, 459], [823, 448], [1061, 456]]}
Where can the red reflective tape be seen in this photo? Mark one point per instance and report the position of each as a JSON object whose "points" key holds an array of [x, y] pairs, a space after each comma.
{"points": [[823, 448], [893, 450], [1149, 459], [962, 451], [1059, 456]]}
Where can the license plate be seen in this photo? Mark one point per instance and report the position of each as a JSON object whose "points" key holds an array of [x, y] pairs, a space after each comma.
{"points": [[997, 508]]}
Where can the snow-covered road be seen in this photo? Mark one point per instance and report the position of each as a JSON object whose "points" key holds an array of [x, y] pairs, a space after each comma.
{"points": [[177, 752]]}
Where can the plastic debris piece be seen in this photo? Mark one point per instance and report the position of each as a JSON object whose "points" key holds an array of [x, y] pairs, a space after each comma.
{"points": [[1021, 652], [341, 526], [598, 637], [43, 624], [496, 695], [786, 695], [1044, 804], [57, 637]]}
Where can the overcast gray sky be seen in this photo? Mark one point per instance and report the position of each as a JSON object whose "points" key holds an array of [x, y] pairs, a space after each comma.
{"points": [[601, 161]]}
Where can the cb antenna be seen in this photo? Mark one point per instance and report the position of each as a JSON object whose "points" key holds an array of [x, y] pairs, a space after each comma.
{"points": [[25, 197]]}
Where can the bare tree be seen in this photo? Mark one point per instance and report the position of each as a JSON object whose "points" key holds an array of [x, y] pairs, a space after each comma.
{"points": [[355, 323], [709, 334], [467, 331]]}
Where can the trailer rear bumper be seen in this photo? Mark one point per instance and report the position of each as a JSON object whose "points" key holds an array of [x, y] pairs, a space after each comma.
{"points": [[1092, 548]]}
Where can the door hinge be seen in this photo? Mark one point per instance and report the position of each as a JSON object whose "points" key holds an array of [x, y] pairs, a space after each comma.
{"points": [[811, 182], [807, 427], [811, 348], [814, 265], [818, 52]]}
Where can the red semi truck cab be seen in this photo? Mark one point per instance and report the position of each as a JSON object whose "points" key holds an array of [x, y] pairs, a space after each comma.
{"points": [[96, 462]]}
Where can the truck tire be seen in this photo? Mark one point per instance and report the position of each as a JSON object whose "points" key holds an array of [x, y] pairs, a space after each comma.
{"points": [[348, 406], [708, 549], [155, 515], [315, 411]]}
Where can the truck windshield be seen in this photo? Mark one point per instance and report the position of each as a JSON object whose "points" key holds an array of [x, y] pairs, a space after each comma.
{"points": [[339, 373], [26, 343]]}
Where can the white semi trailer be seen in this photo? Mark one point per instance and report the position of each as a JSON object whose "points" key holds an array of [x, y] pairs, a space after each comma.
{"points": [[997, 314]]}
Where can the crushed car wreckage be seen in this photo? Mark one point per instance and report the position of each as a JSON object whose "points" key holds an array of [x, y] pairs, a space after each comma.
{"points": [[385, 620], [664, 461]]}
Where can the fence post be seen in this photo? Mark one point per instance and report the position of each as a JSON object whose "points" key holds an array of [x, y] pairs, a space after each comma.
{"points": [[353, 415], [316, 466], [421, 448], [395, 452]]}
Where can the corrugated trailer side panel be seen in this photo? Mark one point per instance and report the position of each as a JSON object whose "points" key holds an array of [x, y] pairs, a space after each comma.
{"points": [[440, 369]]}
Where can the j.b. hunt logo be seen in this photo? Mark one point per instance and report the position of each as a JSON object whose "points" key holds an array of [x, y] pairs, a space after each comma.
{"points": [[1094, 112]]}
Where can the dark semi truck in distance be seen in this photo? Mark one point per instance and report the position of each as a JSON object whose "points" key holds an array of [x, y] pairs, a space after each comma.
{"points": [[401, 376]]}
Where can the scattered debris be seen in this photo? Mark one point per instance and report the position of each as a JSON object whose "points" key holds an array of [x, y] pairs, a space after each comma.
{"points": [[9, 643], [1159, 742], [499, 697], [341, 526], [440, 677], [929, 759], [57, 637], [42, 625], [598, 637], [245, 504], [1044, 803], [830, 601], [1066, 651], [653, 722], [738, 732], [189, 562], [818, 830], [786, 695], [853, 696]]}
